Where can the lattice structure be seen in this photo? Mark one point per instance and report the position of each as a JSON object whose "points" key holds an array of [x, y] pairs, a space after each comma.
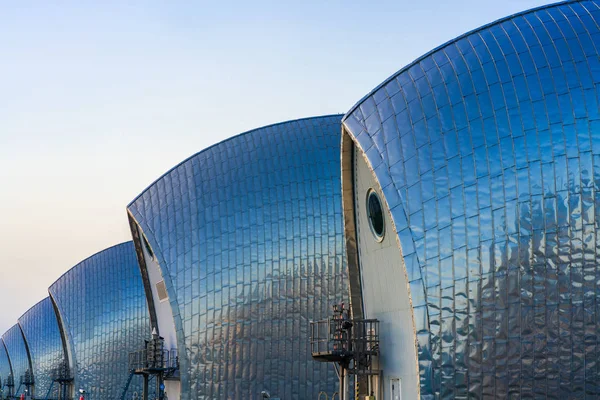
{"points": [[153, 361], [353, 344]]}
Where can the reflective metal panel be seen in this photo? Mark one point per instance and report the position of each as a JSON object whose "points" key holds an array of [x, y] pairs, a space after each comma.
{"points": [[5, 368], [248, 234], [103, 308], [19, 357], [488, 153], [40, 328]]}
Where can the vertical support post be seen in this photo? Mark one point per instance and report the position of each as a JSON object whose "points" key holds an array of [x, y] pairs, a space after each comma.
{"points": [[160, 386], [343, 383], [380, 384], [145, 392]]}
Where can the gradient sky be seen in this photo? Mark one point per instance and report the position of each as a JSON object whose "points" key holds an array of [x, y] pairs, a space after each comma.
{"points": [[99, 100]]}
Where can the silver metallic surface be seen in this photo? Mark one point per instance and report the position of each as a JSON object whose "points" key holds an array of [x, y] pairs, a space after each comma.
{"points": [[248, 234], [5, 368], [488, 153], [42, 335], [102, 308], [18, 355]]}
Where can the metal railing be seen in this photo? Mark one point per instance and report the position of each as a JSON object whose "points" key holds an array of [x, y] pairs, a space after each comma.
{"points": [[353, 337], [163, 359]]}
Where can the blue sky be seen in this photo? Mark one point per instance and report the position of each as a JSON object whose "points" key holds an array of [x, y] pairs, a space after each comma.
{"points": [[101, 98]]}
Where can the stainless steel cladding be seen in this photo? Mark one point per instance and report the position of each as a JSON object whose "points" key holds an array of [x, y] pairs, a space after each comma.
{"points": [[103, 313], [5, 369], [248, 237], [46, 350], [19, 357], [487, 151]]}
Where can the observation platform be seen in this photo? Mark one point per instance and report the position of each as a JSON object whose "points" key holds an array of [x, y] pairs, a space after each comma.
{"points": [[352, 343]]}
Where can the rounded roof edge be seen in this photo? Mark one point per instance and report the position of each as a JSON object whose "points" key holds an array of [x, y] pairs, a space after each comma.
{"points": [[16, 325], [225, 141], [449, 42], [32, 307], [85, 259]]}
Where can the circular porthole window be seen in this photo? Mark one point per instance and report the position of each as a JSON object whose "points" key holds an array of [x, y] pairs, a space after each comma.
{"points": [[375, 215]]}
